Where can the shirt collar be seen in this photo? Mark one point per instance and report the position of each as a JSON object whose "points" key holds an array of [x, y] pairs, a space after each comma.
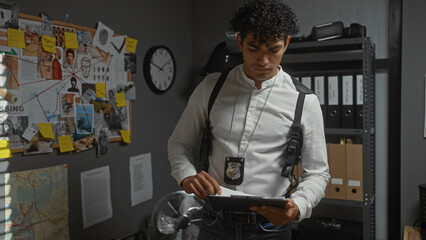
{"points": [[267, 83]]}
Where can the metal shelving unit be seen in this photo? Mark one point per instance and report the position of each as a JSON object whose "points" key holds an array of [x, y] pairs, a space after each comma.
{"points": [[351, 54]]}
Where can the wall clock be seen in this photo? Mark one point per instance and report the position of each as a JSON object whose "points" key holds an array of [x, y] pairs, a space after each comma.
{"points": [[159, 69]]}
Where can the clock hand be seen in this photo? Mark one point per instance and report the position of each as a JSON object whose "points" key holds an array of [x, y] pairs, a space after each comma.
{"points": [[157, 66], [165, 65]]}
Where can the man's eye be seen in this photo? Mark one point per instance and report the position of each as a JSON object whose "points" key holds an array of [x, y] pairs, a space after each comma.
{"points": [[252, 49]]}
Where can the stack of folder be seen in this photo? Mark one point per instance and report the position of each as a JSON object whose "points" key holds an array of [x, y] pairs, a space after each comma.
{"points": [[340, 96]]}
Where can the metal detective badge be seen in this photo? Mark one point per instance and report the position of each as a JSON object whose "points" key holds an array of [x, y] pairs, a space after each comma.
{"points": [[234, 170]]}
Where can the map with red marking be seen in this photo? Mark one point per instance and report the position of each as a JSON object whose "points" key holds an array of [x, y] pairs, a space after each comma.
{"points": [[36, 203]]}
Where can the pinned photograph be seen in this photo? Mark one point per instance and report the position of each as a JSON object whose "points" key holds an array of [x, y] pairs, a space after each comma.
{"points": [[129, 90], [38, 145], [130, 62], [103, 142], [84, 118], [88, 92], [13, 127], [46, 25], [85, 143], [9, 14], [57, 64], [58, 33], [67, 104], [103, 37], [70, 60], [84, 39], [32, 31]]}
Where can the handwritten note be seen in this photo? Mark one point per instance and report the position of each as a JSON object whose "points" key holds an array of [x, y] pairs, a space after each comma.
{"points": [[65, 143], [49, 43], [70, 40], [15, 38], [100, 90], [125, 135], [46, 130], [120, 99], [131, 45]]}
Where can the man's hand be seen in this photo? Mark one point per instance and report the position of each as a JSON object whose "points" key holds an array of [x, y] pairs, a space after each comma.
{"points": [[278, 216], [201, 184]]}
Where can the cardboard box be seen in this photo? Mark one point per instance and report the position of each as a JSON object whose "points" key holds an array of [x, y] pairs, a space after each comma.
{"points": [[337, 164], [354, 172], [327, 189]]}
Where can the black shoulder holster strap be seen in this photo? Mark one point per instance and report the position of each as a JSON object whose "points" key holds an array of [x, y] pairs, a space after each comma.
{"points": [[205, 147], [292, 154]]}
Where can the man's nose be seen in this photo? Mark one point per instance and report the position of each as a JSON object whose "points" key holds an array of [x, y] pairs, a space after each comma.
{"points": [[263, 59]]}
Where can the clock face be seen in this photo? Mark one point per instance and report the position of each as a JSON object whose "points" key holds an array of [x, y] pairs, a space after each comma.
{"points": [[159, 68]]}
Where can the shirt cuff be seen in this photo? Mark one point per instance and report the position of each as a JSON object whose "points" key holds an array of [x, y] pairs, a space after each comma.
{"points": [[179, 176], [300, 202]]}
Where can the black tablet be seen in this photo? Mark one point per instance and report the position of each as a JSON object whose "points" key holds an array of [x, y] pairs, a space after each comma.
{"points": [[242, 203]]}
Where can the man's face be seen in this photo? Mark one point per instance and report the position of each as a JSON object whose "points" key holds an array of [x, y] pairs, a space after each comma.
{"points": [[261, 61], [70, 58]]}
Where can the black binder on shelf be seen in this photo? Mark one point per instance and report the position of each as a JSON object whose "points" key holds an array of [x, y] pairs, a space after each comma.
{"points": [[320, 92], [359, 101], [348, 106], [334, 104]]}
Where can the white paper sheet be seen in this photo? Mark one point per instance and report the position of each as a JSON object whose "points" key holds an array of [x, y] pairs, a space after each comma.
{"points": [[96, 196], [226, 192], [140, 178]]}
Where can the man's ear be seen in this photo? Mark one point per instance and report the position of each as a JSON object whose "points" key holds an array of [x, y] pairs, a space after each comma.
{"points": [[240, 42], [287, 41]]}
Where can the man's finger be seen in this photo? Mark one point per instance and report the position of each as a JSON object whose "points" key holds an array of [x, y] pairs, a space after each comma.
{"points": [[199, 186], [215, 188]]}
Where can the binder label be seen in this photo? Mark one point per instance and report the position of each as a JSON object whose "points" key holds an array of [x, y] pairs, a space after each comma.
{"points": [[333, 90], [319, 88], [307, 82], [359, 90], [337, 181], [347, 85], [354, 183]]}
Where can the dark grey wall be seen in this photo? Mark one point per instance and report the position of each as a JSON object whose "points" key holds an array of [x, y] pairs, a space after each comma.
{"points": [[165, 22], [413, 150]]}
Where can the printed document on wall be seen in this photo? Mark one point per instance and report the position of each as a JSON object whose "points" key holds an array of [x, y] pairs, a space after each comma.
{"points": [[140, 178], [96, 196]]}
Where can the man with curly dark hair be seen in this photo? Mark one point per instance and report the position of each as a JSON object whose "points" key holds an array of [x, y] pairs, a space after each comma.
{"points": [[250, 121]]}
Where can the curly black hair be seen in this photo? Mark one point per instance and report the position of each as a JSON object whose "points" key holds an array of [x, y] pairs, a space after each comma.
{"points": [[266, 19]]}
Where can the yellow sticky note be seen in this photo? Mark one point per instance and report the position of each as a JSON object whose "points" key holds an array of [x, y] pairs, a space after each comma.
{"points": [[46, 130], [65, 143], [49, 43], [70, 40], [131, 45], [120, 99], [5, 149], [4, 144], [100, 90], [125, 135], [15, 38]]}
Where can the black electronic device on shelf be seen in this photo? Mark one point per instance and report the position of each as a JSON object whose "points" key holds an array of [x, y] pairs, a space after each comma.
{"points": [[422, 191]]}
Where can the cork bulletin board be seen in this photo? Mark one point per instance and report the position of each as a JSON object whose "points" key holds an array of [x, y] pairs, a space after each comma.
{"points": [[65, 86]]}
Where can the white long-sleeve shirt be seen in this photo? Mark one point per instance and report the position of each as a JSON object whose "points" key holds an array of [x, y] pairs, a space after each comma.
{"points": [[242, 122]]}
